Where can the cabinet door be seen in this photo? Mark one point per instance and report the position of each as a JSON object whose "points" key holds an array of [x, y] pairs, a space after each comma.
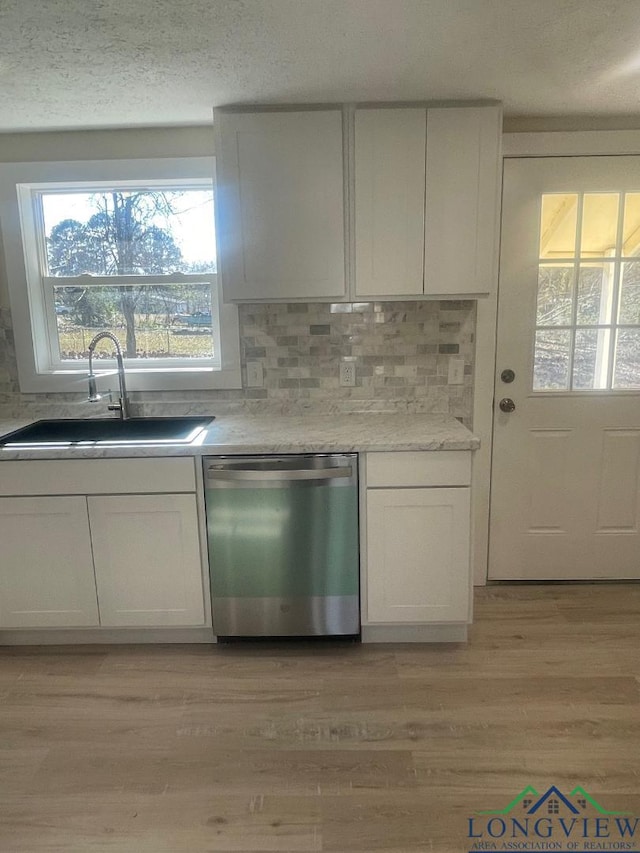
{"points": [[418, 555], [389, 201], [462, 183], [147, 560], [280, 204], [46, 567]]}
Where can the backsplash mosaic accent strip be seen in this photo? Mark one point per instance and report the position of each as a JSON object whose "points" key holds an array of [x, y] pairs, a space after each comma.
{"points": [[401, 352]]}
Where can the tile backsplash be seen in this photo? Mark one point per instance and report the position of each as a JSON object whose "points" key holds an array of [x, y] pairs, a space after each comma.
{"points": [[401, 352]]}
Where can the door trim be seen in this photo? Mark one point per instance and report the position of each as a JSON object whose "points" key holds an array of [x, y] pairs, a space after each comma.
{"points": [[582, 143]]}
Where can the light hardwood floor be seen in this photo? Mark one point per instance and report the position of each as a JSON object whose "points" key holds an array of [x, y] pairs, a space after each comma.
{"points": [[307, 747]]}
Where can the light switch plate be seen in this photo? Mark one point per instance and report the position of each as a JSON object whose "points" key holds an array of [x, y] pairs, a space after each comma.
{"points": [[255, 374], [456, 371]]}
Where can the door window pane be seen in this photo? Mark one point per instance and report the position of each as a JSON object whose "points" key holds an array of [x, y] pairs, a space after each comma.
{"points": [[590, 359], [584, 305], [555, 296], [595, 294], [599, 224], [631, 227], [551, 360], [627, 367], [630, 293], [559, 216]]}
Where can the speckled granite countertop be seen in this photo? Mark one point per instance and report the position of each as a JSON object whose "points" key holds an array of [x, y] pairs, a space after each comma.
{"points": [[287, 434]]}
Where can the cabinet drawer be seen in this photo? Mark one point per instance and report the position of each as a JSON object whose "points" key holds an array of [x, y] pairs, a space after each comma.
{"points": [[96, 476], [423, 468]]}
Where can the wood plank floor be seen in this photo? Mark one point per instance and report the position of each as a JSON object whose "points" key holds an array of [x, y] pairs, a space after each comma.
{"points": [[303, 747]]}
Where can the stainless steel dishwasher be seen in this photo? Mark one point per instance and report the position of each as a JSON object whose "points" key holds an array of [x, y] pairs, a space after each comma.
{"points": [[283, 545]]}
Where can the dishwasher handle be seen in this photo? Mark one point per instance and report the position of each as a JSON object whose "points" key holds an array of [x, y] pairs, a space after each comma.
{"points": [[257, 476]]}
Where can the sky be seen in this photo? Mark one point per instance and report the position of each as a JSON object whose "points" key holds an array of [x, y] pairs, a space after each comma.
{"points": [[193, 230]]}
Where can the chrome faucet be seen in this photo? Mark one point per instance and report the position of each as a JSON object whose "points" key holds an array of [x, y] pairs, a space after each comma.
{"points": [[122, 405]]}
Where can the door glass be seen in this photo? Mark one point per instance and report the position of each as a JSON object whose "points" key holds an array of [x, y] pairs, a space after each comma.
{"points": [[631, 230], [627, 369], [551, 367], [630, 294], [590, 359], [555, 295], [578, 324], [559, 216], [595, 292], [599, 224]]}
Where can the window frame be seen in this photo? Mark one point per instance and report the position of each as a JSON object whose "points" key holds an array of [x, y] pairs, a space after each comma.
{"points": [[31, 294]]}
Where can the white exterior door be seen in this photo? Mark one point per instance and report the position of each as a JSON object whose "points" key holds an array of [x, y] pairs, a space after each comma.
{"points": [[566, 465]]}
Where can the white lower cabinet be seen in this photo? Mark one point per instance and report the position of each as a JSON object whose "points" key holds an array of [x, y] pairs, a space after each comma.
{"points": [[147, 560], [418, 549], [417, 520], [46, 568], [109, 560]]}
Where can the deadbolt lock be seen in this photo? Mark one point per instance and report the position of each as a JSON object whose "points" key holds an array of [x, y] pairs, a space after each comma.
{"points": [[507, 375]]}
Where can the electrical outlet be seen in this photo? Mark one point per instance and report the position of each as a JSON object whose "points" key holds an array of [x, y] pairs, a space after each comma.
{"points": [[255, 374], [347, 374], [456, 371]]}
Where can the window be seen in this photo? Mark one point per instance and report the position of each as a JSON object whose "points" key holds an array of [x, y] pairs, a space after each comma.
{"points": [[588, 311], [126, 246]]}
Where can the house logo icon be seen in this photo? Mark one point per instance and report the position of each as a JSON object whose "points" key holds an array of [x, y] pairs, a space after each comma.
{"points": [[573, 822]]}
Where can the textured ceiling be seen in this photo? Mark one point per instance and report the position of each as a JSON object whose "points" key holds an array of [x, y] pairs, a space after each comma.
{"points": [[118, 63]]}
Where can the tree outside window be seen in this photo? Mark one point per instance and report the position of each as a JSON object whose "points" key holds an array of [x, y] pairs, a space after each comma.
{"points": [[137, 235]]}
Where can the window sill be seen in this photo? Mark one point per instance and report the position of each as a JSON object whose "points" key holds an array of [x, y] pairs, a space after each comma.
{"points": [[177, 379]]}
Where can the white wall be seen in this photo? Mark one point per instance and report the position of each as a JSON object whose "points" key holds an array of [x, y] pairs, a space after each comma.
{"points": [[106, 144]]}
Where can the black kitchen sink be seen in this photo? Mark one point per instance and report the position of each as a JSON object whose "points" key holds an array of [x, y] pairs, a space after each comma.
{"points": [[66, 431]]}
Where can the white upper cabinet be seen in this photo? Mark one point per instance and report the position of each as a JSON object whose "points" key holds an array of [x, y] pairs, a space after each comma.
{"points": [[462, 185], [426, 200], [421, 207], [280, 204], [389, 201]]}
